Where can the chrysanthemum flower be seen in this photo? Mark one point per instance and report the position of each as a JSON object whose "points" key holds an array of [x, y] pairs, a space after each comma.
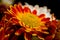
{"points": [[33, 21]]}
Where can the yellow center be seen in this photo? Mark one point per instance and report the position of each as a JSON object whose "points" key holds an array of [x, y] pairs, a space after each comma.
{"points": [[30, 19]]}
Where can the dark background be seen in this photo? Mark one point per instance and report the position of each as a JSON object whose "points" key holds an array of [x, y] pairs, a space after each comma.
{"points": [[54, 5]]}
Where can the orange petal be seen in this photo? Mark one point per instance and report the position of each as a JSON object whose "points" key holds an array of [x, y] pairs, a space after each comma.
{"points": [[27, 36]]}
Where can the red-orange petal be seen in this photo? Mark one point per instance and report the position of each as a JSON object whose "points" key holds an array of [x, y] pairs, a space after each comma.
{"points": [[2, 35], [27, 36], [45, 19], [8, 16], [14, 20], [33, 32], [41, 16], [19, 7], [14, 9], [52, 28], [34, 12], [19, 31], [26, 9]]}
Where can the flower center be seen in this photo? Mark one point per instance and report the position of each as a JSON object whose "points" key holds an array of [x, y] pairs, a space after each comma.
{"points": [[30, 19]]}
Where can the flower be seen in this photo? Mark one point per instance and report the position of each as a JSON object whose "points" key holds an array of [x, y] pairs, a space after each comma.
{"points": [[32, 24]]}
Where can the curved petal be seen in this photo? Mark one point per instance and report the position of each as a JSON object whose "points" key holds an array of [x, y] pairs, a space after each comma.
{"points": [[19, 31], [27, 36], [26, 9], [34, 12]]}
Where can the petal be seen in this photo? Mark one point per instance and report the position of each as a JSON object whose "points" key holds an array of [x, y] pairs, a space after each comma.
{"points": [[40, 34], [26, 9], [19, 31], [41, 16], [34, 12], [27, 36], [45, 19], [13, 9], [52, 29], [14, 20], [19, 7], [33, 32]]}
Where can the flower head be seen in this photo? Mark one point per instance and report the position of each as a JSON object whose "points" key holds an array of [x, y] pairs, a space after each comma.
{"points": [[32, 21]]}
